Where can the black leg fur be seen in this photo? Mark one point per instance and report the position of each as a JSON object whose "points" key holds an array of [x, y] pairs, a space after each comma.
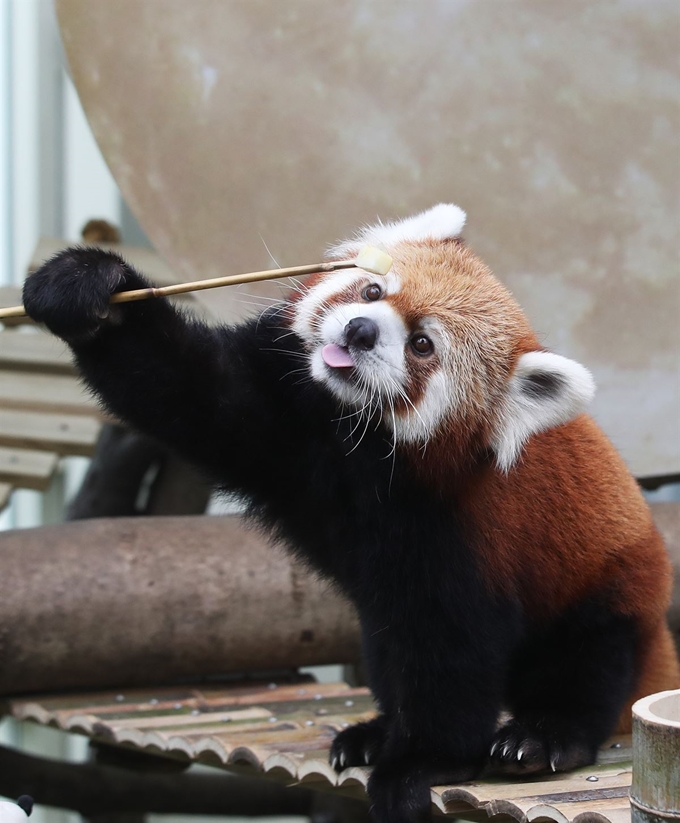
{"points": [[400, 788], [567, 690]]}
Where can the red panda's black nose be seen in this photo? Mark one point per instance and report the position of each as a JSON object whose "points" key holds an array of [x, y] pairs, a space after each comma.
{"points": [[361, 332]]}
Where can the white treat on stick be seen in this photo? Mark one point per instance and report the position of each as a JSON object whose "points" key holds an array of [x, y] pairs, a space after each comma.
{"points": [[374, 260]]}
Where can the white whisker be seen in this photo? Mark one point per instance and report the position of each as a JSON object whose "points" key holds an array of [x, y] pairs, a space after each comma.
{"points": [[268, 252]]}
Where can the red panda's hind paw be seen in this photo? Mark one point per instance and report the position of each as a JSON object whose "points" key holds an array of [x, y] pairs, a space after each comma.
{"points": [[519, 748]]}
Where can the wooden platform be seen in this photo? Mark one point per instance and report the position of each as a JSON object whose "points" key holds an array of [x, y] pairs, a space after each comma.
{"points": [[283, 732], [45, 413]]}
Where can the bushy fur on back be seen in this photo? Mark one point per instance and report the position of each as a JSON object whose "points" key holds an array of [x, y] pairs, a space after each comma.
{"points": [[409, 439]]}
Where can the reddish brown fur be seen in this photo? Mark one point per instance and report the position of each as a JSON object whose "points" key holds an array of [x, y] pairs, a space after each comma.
{"points": [[569, 519]]}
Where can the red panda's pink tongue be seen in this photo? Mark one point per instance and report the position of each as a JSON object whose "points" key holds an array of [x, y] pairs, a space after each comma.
{"points": [[336, 357]]}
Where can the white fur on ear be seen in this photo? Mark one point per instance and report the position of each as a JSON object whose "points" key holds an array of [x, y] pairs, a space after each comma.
{"points": [[442, 222], [545, 390]]}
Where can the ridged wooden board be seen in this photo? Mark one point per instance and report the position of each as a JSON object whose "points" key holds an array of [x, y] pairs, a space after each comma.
{"points": [[284, 731]]}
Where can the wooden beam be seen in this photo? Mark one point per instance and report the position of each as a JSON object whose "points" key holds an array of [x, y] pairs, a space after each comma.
{"points": [[60, 433], [34, 352], [27, 468], [53, 393]]}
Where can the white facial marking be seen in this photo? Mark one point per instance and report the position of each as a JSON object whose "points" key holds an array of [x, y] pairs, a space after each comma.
{"points": [[417, 423], [443, 389], [381, 374], [312, 304], [544, 391], [378, 371], [392, 283]]}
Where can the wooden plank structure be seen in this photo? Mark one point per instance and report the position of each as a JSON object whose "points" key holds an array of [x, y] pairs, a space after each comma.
{"points": [[284, 732], [45, 413]]}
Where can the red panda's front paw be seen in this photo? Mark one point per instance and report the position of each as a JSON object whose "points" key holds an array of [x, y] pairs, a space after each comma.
{"points": [[521, 748], [359, 745], [70, 293]]}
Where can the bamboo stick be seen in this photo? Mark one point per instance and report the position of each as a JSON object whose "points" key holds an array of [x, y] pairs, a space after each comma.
{"points": [[213, 283]]}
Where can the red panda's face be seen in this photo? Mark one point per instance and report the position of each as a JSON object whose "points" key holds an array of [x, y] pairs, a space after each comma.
{"points": [[434, 345], [429, 343]]}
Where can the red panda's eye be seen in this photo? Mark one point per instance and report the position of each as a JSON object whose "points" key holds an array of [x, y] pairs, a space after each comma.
{"points": [[372, 292], [421, 344]]}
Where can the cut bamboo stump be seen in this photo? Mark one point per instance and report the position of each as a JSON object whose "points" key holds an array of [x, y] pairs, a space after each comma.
{"points": [[655, 793]]}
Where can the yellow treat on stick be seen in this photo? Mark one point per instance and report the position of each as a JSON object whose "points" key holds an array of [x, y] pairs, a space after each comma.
{"points": [[374, 260]]}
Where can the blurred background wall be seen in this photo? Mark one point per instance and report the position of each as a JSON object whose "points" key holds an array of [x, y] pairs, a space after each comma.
{"points": [[554, 124]]}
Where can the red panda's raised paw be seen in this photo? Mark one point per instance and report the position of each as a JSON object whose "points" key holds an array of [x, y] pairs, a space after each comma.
{"points": [[523, 749]]}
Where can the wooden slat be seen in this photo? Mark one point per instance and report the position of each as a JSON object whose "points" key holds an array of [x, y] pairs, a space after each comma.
{"points": [[285, 732], [34, 352], [27, 468], [61, 433], [44, 393], [5, 494]]}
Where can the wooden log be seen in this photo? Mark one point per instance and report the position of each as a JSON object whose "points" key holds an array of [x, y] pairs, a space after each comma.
{"points": [[655, 793], [121, 463], [149, 600], [179, 488], [111, 487]]}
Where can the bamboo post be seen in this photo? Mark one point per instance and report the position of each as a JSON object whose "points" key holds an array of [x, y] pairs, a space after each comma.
{"points": [[213, 283], [655, 793]]}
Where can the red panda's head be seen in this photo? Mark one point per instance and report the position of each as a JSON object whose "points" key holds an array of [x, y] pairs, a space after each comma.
{"points": [[437, 345]]}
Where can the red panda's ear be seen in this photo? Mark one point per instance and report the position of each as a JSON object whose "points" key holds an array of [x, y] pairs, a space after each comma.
{"points": [[545, 390], [442, 222]]}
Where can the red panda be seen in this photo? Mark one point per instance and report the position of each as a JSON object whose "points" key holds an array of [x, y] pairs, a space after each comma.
{"points": [[409, 437]]}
